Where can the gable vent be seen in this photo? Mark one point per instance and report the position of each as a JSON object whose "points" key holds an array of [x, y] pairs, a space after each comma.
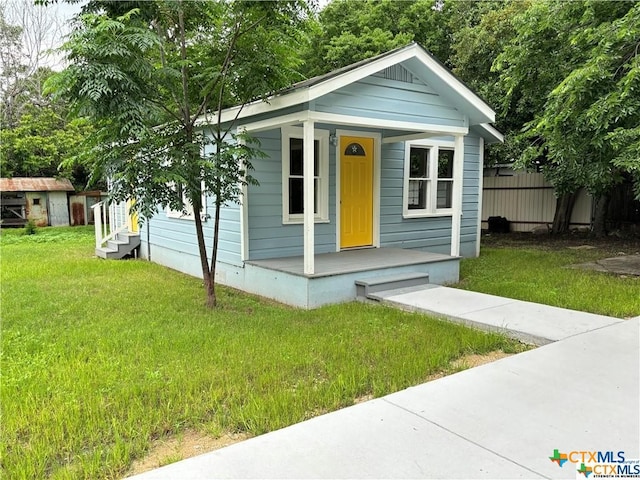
{"points": [[396, 72]]}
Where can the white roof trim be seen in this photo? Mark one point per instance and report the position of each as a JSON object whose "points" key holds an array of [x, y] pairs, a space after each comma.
{"points": [[307, 94], [491, 133], [459, 87], [419, 130]]}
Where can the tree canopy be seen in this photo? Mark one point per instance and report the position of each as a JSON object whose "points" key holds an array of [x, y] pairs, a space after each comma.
{"points": [[150, 73]]}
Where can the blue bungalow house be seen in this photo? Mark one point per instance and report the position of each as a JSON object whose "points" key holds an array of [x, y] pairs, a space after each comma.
{"points": [[372, 176]]}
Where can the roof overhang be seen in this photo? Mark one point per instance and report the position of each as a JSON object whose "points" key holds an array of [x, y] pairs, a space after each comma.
{"points": [[489, 133], [394, 131]]}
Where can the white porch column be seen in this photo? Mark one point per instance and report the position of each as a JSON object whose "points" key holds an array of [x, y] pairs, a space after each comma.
{"points": [[309, 196], [480, 187], [456, 218]]}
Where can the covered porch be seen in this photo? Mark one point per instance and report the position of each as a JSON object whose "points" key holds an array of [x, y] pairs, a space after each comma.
{"points": [[335, 274]]}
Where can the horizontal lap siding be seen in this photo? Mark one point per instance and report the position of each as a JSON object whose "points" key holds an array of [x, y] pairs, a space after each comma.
{"points": [[384, 99], [179, 235], [268, 237], [470, 198]]}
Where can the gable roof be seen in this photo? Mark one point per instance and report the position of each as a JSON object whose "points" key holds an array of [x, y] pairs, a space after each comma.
{"points": [[413, 57], [24, 184]]}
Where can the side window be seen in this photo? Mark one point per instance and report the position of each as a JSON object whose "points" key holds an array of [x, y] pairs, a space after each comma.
{"points": [[188, 213], [296, 172], [428, 179], [293, 175]]}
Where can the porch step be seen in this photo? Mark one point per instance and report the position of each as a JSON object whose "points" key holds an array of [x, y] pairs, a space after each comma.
{"points": [[365, 288], [122, 245]]}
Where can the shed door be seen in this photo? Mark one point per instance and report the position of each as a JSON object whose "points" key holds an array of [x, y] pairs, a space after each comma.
{"points": [[356, 192], [58, 209]]}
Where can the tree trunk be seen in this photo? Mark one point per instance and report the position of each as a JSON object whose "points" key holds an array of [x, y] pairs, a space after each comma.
{"points": [[562, 216], [207, 275], [214, 253], [600, 216]]}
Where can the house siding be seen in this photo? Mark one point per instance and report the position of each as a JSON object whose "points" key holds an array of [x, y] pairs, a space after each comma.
{"points": [[268, 236], [386, 99], [177, 236]]}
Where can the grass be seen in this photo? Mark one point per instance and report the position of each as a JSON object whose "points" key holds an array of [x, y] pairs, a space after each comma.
{"points": [[534, 269], [101, 358]]}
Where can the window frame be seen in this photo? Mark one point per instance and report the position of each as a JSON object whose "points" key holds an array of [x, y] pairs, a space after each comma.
{"points": [[432, 179], [190, 214], [322, 137]]}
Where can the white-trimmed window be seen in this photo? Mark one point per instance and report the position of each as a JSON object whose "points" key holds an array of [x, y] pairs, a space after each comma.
{"points": [[428, 179], [187, 213], [293, 175]]}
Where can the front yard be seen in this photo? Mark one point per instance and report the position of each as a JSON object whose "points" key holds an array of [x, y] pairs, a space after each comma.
{"points": [[536, 269], [102, 358]]}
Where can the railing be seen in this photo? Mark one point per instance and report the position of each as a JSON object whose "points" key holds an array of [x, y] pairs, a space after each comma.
{"points": [[110, 219]]}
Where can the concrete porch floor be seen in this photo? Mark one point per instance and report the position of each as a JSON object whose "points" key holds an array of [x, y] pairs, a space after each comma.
{"points": [[350, 261]]}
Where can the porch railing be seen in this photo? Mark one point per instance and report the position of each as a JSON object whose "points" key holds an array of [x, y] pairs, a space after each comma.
{"points": [[110, 219]]}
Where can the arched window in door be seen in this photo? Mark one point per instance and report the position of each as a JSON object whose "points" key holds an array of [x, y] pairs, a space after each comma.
{"points": [[355, 149]]}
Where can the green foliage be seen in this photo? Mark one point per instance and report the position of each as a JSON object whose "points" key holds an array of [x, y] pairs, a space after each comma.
{"points": [[30, 228], [86, 388], [353, 30], [150, 77], [573, 70], [44, 144]]}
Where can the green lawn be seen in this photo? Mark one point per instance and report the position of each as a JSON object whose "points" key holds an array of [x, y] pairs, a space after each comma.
{"points": [[527, 268], [101, 358]]}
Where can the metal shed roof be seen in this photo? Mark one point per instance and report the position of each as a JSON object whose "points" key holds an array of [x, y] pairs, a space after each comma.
{"points": [[21, 184]]}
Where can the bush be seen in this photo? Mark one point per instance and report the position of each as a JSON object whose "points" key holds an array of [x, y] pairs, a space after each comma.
{"points": [[30, 228]]}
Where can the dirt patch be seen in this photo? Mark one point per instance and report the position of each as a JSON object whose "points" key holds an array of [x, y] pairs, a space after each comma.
{"points": [[185, 445], [621, 265], [612, 245], [469, 361]]}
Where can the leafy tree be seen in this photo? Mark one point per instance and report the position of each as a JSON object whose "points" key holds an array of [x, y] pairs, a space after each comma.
{"points": [[27, 35], [155, 80], [36, 137], [480, 30], [45, 144], [574, 67], [352, 30]]}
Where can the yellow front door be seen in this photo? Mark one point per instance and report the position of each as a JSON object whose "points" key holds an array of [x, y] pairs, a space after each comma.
{"points": [[356, 192]]}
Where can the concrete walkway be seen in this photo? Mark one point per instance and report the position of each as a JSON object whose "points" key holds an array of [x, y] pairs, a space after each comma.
{"points": [[499, 420], [526, 321]]}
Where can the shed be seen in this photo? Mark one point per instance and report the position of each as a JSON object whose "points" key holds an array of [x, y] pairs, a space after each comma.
{"points": [[41, 200]]}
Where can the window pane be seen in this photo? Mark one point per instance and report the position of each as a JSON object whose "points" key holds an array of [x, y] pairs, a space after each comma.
{"points": [[296, 200], [296, 195], [417, 198], [445, 194], [316, 191], [296, 162], [295, 156], [445, 163], [419, 162]]}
